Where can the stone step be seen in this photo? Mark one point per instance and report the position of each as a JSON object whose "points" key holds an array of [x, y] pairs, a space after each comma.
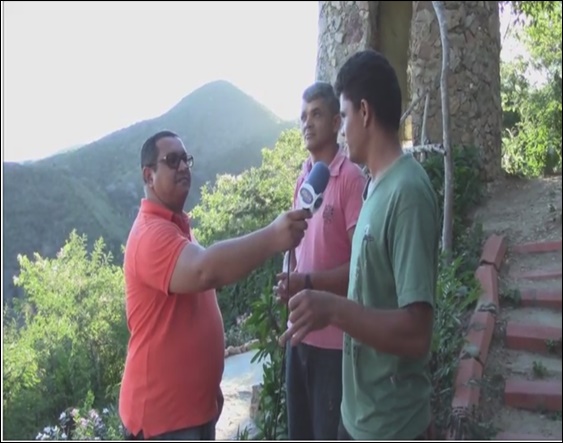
{"points": [[537, 247], [522, 425], [549, 298], [533, 395], [531, 366], [534, 316], [540, 274], [533, 337]]}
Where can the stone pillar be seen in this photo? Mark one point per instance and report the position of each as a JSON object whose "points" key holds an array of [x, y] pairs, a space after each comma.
{"points": [[345, 27], [475, 104]]}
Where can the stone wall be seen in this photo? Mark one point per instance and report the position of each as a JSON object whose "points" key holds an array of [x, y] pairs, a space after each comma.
{"points": [[474, 86], [344, 28], [474, 32]]}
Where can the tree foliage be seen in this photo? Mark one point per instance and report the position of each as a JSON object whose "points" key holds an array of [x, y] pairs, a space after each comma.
{"points": [[531, 10], [533, 112], [68, 338]]}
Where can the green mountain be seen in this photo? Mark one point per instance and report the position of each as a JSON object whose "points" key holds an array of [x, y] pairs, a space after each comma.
{"points": [[96, 188]]}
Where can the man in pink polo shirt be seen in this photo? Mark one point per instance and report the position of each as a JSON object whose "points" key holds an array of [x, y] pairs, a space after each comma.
{"points": [[321, 261]]}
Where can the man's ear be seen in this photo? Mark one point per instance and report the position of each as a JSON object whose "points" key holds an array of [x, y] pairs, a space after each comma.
{"points": [[365, 112], [337, 123], [148, 176]]}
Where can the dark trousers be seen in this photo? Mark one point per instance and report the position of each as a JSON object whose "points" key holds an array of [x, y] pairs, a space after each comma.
{"points": [[314, 392], [344, 435], [202, 432]]}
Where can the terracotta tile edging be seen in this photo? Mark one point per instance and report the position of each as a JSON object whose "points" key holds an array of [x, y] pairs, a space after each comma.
{"points": [[481, 328], [494, 251]]}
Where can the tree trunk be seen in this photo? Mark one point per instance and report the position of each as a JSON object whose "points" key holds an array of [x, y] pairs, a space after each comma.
{"points": [[447, 228]]}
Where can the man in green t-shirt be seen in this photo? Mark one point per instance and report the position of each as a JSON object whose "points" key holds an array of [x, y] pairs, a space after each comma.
{"points": [[387, 318]]}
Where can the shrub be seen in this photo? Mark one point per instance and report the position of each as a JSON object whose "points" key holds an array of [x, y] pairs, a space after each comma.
{"points": [[69, 336], [85, 423]]}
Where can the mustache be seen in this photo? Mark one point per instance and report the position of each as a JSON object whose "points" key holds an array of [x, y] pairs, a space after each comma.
{"points": [[182, 177]]}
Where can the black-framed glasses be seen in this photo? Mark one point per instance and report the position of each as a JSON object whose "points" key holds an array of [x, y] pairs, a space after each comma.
{"points": [[173, 159]]}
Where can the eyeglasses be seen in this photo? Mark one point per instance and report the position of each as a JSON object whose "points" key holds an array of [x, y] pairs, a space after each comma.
{"points": [[173, 160]]}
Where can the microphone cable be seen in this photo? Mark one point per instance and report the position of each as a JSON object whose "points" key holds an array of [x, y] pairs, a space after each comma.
{"points": [[283, 359]]}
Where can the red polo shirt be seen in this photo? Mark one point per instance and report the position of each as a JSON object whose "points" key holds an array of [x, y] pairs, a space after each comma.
{"points": [[176, 350]]}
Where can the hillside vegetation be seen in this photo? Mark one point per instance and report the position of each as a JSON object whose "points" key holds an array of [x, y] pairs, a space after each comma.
{"points": [[96, 189]]}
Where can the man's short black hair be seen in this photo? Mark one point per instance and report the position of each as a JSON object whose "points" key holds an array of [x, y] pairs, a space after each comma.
{"points": [[324, 91], [149, 151], [368, 75]]}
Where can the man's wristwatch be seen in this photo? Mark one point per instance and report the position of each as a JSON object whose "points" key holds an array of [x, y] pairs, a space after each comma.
{"points": [[308, 283]]}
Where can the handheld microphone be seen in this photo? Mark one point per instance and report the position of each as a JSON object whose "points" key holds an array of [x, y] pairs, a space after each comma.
{"points": [[310, 195]]}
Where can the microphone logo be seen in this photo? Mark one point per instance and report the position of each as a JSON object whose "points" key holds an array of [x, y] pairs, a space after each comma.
{"points": [[312, 190], [306, 196]]}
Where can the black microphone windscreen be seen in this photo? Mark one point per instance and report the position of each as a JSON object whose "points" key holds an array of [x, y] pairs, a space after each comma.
{"points": [[318, 177]]}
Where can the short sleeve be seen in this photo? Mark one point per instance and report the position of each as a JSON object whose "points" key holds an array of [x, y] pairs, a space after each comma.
{"points": [[157, 252], [352, 197], [413, 244]]}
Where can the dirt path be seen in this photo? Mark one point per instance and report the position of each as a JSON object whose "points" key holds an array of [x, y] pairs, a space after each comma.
{"points": [[521, 389]]}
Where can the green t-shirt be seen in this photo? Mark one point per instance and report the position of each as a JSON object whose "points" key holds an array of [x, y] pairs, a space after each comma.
{"points": [[394, 263]]}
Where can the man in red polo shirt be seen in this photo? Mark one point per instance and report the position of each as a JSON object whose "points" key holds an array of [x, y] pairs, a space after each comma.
{"points": [[171, 383]]}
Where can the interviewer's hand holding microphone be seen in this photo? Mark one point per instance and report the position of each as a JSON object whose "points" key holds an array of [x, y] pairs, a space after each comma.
{"points": [[289, 228], [308, 308]]}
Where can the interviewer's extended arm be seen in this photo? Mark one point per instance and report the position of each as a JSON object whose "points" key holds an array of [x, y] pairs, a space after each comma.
{"points": [[198, 269], [223, 263]]}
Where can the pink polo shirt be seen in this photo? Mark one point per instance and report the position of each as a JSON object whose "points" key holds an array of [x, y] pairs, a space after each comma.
{"points": [[326, 244]]}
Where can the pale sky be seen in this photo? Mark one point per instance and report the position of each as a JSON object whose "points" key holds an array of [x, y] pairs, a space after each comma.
{"points": [[74, 72]]}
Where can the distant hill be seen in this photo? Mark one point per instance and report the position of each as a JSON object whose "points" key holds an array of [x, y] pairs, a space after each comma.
{"points": [[97, 187]]}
